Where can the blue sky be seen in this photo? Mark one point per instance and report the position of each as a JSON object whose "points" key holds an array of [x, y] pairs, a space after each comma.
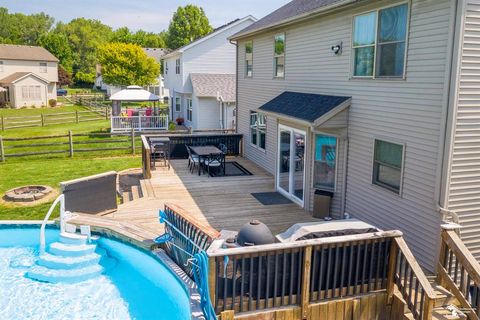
{"points": [[150, 15]]}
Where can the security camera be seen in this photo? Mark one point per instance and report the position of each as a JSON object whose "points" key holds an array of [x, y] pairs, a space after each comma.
{"points": [[337, 49]]}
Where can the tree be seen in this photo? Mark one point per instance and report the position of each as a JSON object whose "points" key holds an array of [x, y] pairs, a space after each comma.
{"points": [[126, 64], [57, 44], [83, 79], [188, 24], [142, 38], [18, 28], [64, 78]]}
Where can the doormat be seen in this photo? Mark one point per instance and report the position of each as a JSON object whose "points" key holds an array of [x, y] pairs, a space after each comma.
{"points": [[271, 198]]}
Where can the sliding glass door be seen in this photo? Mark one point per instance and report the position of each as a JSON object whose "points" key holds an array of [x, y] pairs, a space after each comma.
{"points": [[291, 163]]}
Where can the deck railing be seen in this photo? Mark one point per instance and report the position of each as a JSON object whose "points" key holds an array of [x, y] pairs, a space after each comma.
{"points": [[139, 123], [459, 272]]}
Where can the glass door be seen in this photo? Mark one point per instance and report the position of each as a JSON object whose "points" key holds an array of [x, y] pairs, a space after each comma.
{"points": [[291, 163]]}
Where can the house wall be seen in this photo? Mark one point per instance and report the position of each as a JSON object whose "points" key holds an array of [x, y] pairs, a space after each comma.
{"points": [[463, 192], [208, 112], [12, 66], [408, 111], [30, 81]]}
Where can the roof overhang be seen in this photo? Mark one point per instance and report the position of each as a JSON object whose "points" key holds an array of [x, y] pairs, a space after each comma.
{"points": [[20, 78]]}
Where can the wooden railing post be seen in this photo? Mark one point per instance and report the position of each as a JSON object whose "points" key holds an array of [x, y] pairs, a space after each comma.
{"points": [[76, 116], [70, 143], [392, 264], [305, 293], [133, 141], [428, 308], [212, 274], [42, 119], [3, 123], [2, 150]]}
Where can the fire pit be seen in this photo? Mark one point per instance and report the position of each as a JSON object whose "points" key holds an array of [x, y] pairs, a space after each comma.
{"points": [[27, 193]]}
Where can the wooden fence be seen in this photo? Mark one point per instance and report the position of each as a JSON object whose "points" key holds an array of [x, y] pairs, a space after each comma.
{"points": [[67, 144]]}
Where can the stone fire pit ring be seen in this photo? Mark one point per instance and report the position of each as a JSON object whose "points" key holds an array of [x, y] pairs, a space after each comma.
{"points": [[28, 193]]}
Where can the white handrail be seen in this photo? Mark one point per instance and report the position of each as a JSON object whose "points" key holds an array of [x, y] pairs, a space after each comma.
{"points": [[61, 199]]}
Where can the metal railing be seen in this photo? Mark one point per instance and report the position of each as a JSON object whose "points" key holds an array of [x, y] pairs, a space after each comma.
{"points": [[139, 123], [60, 199]]}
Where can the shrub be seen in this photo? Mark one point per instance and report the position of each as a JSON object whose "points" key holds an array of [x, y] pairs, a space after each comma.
{"points": [[171, 126], [52, 103], [83, 79]]}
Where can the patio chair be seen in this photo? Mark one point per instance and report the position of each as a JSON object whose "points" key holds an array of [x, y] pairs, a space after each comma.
{"points": [[223, 147], [193, 159], [215, 161], [161, 151]]}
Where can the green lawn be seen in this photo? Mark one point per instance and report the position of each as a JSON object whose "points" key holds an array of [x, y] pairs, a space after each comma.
{"points": [[51, 172], [37, 111]]}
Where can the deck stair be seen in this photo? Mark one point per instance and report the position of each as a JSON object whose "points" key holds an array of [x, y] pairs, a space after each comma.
{"points": [[143, 190], [73, 258]]}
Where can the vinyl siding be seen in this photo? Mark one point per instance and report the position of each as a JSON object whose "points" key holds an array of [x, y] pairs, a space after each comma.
{"points": [[408, 111], [208, 111], [464, 183]]}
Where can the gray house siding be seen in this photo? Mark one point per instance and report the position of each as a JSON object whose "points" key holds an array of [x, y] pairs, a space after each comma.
{"points": [[408, 111], [464, 182]]}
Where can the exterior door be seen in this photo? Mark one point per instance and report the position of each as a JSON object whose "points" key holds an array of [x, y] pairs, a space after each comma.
{"points": [[291, 163]]}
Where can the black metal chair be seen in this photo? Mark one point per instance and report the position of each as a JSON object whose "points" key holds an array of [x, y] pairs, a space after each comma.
{"points": [[193, 159], [223, 147], [216, 161], [161, 151]]}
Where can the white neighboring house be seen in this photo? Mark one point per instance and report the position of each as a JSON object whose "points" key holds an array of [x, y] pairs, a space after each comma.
{"points": [[29, 74], [158, 89], [200, 78]]}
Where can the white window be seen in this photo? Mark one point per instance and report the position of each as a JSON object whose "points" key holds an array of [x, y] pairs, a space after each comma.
{"points": [[177, 66], [279, 56], [1, 66], [189, 110], [379, 42], [387, 165], [43, 67], [325, 162], [165, 67], [31, 93], [258, 129], [178, 106], [249, 59]]}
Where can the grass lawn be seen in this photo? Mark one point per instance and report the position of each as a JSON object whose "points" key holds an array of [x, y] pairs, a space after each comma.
{"points": [[51, 172]]}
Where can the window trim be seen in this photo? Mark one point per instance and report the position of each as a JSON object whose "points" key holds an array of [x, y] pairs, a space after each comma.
{"points": [[381, 186], [337, 137], [179, 104], [246, 69], [189, 108], [257, 145], [165, 67], [407, 33], [43, 67], [177, 66], [276, 56]]}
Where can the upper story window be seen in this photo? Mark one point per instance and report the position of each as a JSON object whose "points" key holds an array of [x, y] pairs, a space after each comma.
{"points": [[379, 39], [1, 66], [178, 104], [279, 56], [249, 59], [258, 129], [43, 67], [387, 165], [177, 66], [165, 67]]}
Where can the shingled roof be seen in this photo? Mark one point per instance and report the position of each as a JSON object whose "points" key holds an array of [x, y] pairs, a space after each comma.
{"points": [[30, 53], [14, 77], [156, 53], [208, 85], [290, 11], [304, 106]]}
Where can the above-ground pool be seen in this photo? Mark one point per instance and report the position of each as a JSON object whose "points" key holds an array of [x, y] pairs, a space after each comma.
{"points": [[133, 285]]}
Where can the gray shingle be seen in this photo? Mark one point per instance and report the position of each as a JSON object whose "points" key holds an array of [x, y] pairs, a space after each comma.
{"points": [[304, 106], [31, 53], [210, 85]]}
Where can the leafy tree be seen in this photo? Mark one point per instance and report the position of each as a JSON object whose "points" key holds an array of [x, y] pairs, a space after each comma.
{"points": [[126, 64], [188, 24], [64, 78], [57, 44], [141, 38], [83, 79], [18, 28]]}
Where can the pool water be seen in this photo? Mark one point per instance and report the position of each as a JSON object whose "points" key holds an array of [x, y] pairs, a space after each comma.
{"points": [[134, 285]]}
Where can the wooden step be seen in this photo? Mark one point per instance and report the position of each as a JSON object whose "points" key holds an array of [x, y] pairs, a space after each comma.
{"points": [[444, 297], [147, 189], [443, 313], [126, 197], [135, 193]]}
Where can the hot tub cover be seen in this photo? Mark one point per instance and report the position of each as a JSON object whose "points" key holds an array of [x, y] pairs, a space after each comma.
{"points": [[322, 229]]}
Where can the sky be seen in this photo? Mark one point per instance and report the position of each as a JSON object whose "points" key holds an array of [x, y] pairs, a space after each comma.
{"points": [[149, 15]]}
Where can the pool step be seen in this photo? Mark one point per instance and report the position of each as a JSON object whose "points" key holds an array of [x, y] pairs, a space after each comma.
{"points": [[42, 273], [61, 262], [73, 238], [70, 250]]}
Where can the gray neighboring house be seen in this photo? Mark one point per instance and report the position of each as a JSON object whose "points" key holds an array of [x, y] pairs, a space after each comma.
{"points": [[28, 75], [377, 102]]}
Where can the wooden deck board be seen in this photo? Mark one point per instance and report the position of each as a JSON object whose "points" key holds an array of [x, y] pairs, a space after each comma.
{"points": [[221, 202]]}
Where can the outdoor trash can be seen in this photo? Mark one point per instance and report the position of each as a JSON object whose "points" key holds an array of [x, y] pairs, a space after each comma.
{"points": [[321, 203]]}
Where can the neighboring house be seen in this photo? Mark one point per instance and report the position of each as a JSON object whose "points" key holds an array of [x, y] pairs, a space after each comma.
{"points": [[29, 74], [200, 78], [157, 89], [374, 101]]}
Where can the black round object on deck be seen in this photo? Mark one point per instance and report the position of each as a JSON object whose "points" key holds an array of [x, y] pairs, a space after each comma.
{"points": [[254, 233]]}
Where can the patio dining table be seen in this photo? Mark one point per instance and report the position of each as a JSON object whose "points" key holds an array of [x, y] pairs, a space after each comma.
{"points": [[204, 152]]}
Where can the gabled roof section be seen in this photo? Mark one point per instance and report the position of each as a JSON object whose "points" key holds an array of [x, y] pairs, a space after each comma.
{"points": [[292, 11], [208, 85], [210, 35], [29, 53], [156, 53], [17, 76], [306, 107]]}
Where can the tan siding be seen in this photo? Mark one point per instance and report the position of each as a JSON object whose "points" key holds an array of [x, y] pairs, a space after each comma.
{"points": [[408, 111], [464, 185]]}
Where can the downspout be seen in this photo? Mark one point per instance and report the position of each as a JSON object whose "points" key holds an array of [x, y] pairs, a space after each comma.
{"points": [[444, 150]]}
